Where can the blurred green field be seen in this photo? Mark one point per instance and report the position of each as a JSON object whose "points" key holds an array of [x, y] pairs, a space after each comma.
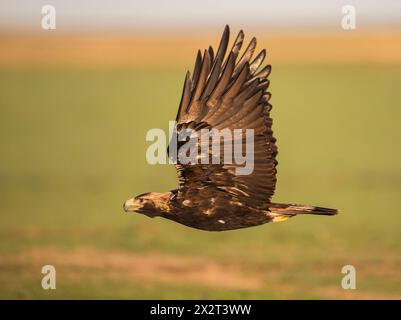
{"points": [[73, 149]]}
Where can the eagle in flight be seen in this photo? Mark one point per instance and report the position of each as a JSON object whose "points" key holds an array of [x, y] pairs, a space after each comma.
{"points": [[224, 93]]}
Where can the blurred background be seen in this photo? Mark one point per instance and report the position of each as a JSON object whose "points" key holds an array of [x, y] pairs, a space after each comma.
{"points": [[77, 101]]}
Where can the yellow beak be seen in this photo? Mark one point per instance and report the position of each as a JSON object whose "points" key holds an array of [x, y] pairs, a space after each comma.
{"points": [[130, 205]]}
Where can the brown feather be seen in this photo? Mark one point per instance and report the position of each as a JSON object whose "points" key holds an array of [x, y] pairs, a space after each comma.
{"points": [[226, 94]]}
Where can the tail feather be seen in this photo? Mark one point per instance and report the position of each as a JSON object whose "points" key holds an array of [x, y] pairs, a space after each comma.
{"points": [[321, 211], [294, 209]]}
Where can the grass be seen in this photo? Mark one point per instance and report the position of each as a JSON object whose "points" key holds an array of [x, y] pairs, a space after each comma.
{"points": [[73, 149]]}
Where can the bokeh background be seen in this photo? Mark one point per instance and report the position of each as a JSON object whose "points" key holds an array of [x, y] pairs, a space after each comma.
{"points": [[76, 103]]}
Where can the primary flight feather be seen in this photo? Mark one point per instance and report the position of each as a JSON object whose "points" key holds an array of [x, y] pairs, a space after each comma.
{"points": [[225, 91]]}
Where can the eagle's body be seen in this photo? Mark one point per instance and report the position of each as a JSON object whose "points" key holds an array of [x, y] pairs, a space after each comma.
{"points": [[225, 94], [213, 213]]}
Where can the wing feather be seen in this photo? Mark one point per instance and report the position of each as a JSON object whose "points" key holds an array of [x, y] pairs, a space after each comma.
{"points": [[256, 63], [197, 67], [226, 93]]}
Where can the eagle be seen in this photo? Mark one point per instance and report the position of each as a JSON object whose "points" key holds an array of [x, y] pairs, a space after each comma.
{"points": [[225, 90]]}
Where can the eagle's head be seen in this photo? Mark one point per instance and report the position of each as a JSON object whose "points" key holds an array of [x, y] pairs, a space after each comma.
{"points": [[152, 204]]}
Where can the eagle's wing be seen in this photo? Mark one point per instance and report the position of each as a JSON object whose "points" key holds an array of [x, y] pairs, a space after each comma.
{"points": [[229, 93]]}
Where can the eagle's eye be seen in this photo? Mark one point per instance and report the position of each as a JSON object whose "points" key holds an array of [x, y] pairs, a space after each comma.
{"points": [[141, 200]]}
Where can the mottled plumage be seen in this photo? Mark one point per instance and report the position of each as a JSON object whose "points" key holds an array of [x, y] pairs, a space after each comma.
{"points": [[225, 90]]}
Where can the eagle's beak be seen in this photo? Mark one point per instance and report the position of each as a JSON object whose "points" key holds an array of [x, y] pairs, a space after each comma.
{"points": [[130, 205]]}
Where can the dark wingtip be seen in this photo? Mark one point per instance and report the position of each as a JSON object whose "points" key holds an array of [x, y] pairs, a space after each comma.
{"points": [[226, 32]]}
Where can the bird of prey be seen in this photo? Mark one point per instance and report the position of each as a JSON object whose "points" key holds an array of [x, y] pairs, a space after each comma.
{"points": [[225, 91]]}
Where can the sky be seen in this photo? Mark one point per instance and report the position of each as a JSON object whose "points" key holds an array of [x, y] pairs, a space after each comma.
{"points": [[89, 15]]}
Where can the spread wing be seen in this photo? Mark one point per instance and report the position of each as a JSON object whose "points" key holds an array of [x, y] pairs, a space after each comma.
{"points": [[229, 94]]}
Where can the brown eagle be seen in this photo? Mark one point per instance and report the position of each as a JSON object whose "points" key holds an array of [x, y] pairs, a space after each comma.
{"points": [[225, 93]]}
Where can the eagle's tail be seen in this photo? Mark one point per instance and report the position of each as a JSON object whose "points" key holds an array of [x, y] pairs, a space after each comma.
{"points": [[281, 211]]}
